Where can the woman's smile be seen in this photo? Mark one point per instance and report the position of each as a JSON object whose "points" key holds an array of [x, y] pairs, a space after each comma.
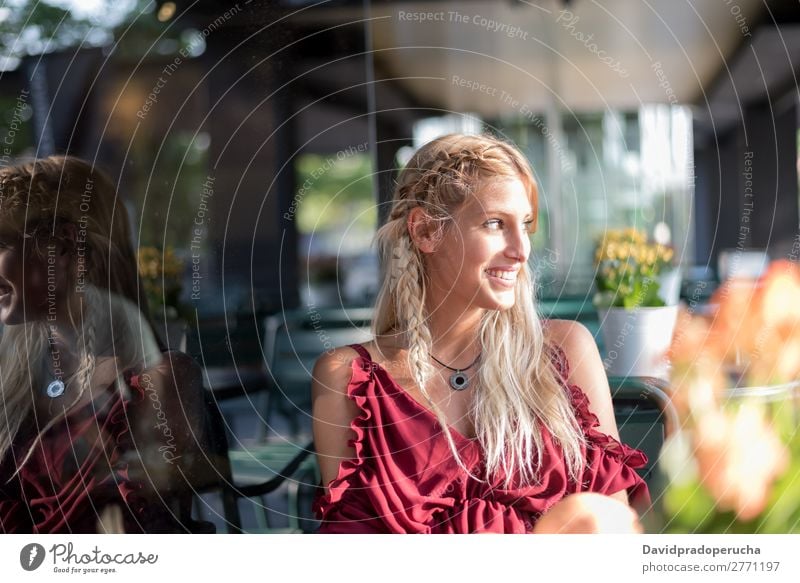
{"points": [[503, 277]]}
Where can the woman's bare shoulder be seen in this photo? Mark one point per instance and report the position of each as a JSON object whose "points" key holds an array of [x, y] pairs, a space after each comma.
{"points": [[579, 349], [569, 335], [332, 409], [586, 369], [333, 368]]}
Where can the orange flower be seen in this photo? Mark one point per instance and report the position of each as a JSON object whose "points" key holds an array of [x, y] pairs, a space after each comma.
{"points": [[776, 356], [739, 457], [778, 297], [736, 323], [696, 376], [691, 339]]}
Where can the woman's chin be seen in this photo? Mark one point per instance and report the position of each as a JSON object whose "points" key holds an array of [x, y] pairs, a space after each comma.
{"points": [[8, 319], [10, 316], [500, 303]]}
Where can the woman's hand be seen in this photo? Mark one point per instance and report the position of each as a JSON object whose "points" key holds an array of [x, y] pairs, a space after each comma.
{"points": [[111, 521], [589, 513]]}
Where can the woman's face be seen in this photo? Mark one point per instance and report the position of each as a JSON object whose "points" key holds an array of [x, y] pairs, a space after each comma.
{"points": [[24, 293], [477, 262]]}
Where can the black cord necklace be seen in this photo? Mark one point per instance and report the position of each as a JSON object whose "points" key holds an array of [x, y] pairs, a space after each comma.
{"points": [[458, 380]]}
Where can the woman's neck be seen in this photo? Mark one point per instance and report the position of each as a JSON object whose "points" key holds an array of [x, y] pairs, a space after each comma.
{"points": [[454, 335]]}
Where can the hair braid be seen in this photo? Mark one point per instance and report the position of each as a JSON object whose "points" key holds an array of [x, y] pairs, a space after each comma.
{"points": [[89, 306], [83, 375], [407, 279]]}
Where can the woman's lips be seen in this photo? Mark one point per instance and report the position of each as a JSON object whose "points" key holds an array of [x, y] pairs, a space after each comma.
{"points": [[504, 277]]}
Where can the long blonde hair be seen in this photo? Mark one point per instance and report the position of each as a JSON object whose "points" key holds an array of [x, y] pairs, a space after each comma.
{"points": [[518, 391], [102, 283]]}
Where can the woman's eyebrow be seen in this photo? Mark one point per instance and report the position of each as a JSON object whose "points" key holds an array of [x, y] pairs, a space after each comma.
{"points": [[500, 211]]}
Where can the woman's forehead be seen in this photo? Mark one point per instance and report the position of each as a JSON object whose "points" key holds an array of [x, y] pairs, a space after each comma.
{"points": [[502, 194]]}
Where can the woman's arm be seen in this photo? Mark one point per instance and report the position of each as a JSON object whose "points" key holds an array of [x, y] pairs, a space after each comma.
{"points": [[333, 411], [589, 513], [587, 372]]}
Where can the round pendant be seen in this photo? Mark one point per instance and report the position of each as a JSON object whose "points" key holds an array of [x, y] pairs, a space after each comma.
{"points": [[459, 381], [55, 389]]}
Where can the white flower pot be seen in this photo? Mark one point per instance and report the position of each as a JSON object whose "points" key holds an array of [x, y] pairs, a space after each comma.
{"points": [[669, 288], [636, 341]]}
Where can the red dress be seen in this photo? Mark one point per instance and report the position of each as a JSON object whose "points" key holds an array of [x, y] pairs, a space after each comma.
{"points": [[404, 478], [83, 463]]}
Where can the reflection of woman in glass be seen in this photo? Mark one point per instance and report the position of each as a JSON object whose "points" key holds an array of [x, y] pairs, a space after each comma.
{"points": [[96, 424], [531, 440]]}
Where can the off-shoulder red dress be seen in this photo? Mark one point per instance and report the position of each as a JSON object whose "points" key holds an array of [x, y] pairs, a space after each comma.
{"points": [[404, 478], [85, 462]]}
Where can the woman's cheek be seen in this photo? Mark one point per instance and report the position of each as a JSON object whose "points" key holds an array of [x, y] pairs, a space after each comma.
{"points": [[36, 282]]}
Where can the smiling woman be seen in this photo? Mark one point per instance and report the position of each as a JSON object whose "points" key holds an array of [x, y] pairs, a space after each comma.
{"points": [[96, 420], [524, 439]]}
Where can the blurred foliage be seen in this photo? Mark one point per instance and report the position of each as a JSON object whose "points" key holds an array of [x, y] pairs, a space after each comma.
{"points": [[168, 193], [628, 267], [161, 272], [33, 27], [16, 133], [334, 193], [734, 464]]}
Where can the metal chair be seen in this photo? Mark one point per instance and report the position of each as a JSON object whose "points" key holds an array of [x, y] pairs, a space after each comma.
{"points": [[645, 417], [293, 342], [274, 467], [282, 463]]}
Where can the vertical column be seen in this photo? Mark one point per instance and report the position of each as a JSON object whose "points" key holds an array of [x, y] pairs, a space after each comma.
{"points": [[768, 186], [254, 252]]}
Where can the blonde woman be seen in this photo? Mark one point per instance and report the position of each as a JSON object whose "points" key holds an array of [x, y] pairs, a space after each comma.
{"points": [[96, 421], [530, 443]]}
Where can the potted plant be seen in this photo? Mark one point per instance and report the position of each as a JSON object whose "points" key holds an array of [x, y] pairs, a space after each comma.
{"points": [[734, 467], [635, 320], [161, 272]]}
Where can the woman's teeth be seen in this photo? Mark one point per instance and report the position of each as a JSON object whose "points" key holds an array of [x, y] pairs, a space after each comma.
{"points": [[507, 275]]}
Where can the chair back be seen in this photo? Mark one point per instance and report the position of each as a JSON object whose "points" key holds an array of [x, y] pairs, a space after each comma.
{"points": [[645, 418], [293, 342], [217, 443], [243, 479]]}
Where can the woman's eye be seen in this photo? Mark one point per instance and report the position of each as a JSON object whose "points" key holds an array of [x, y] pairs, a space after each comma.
{"points": [[528, 226], [493, 224]]}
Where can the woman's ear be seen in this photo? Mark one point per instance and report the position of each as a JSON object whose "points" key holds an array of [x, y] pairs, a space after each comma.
{"points": [[422, 230]]}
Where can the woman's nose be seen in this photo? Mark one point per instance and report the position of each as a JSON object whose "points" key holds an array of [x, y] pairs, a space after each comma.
{"points": [[518, 244]]}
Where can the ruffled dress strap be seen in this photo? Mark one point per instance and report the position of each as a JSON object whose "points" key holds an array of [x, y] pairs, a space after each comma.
{"points": [[362, 352], [346, 506]]}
